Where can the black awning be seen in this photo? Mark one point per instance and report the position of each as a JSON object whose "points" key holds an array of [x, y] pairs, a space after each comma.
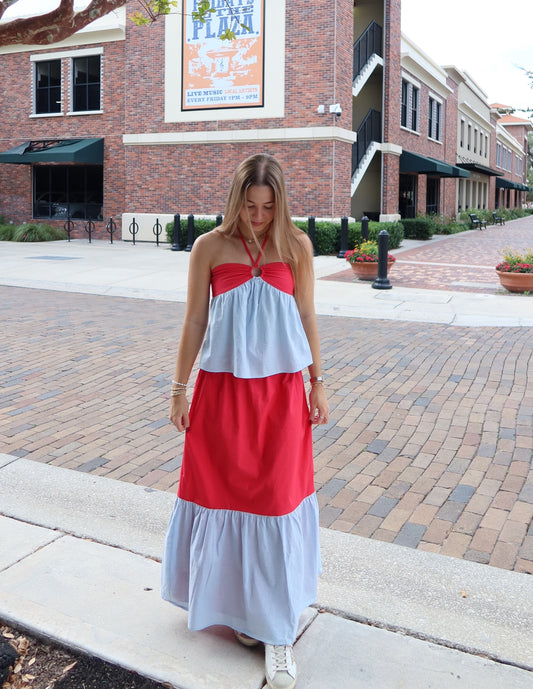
{"points": [[414, 162], [476, 167], [89, 151]]}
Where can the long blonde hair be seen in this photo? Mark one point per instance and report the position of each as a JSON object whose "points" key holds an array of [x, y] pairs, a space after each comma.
{"points": [[263, 169]]}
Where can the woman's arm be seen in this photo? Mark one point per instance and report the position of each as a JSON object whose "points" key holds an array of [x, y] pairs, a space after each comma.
{"points": [[305, 300], [194, 326]]}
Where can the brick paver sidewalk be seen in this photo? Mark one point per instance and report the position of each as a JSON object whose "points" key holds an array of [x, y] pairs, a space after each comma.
{"points": [[429, 446], [462, 263]]}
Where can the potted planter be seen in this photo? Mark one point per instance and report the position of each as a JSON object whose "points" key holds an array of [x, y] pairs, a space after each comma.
{"points": [[363, 261], [516, 271]]}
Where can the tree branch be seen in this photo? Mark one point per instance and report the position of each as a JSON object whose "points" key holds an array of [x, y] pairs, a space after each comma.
{"points": [[54, 26]]}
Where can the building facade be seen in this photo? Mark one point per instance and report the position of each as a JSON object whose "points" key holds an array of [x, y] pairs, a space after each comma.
{"points": [[127, 122]]}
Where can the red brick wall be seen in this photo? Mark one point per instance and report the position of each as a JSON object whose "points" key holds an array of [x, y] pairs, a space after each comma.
{"points": [[194, 178], [392, 86], [16, 126]]}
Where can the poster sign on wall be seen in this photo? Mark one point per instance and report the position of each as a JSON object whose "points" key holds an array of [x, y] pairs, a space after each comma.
{"points": [[218, 73]]}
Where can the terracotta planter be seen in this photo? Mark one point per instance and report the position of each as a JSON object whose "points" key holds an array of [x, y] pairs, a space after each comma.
{"points": [[516, 282], [368, 271]]}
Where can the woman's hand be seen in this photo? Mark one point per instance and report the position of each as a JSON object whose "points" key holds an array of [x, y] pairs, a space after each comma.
{"points": [[179, 412], [318, 405]]}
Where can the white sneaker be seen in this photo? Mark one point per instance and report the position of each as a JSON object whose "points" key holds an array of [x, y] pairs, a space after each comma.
{"points": [[280, 667]]}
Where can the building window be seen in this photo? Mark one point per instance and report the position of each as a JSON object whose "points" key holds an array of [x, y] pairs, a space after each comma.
{"points": [[498, 155], [61, 191], [86, 83], [462, 140], [47, 87], [432, 195], [469, 140], [404, 103], [414, 108], [410, 105], [434, 118], [486, 145], [475, 140]]}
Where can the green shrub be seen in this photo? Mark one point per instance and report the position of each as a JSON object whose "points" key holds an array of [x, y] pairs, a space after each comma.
{"points": [[418, 228], [327, 233], [33, 232], [6, 233], [452, 227], [201, 226]]}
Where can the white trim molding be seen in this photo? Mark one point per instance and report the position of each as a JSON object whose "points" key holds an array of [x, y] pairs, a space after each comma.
{"points": [[241, 136], [85, 52]]}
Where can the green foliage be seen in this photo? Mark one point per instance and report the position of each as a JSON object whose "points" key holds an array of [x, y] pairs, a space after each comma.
{"points": [[155, 9], [452, 227], [201, 226], [418, 228], [158, 8], [486, 213], [6, 232], [327, 233], [33, 232]]}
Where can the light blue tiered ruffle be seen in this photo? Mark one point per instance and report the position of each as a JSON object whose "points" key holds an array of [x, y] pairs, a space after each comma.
{"points": [[238, 563], [255, 331]]}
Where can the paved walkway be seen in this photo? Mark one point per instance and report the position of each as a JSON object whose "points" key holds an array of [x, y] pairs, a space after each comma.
{"points": [[430, 438], [429, 447]]}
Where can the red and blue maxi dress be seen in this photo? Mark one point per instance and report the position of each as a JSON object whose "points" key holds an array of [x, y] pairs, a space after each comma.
{"points": [[242, 546]]}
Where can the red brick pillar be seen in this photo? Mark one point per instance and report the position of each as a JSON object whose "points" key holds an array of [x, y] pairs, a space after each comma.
{"points": [[392, 89]]}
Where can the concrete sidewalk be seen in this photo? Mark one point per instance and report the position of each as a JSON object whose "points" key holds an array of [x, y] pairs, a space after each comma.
{"points": [[79, 564], [145, 271], [79, 555]]}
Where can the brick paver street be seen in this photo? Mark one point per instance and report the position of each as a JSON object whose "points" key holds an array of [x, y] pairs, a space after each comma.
{"points": [[430, 440]]}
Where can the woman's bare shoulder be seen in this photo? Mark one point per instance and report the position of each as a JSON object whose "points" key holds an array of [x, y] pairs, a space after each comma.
{"points": [[303, 240], [209, 244]]}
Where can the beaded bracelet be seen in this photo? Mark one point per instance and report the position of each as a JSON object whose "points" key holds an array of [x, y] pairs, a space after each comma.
{"points": [[317, 380], [176, 393], [181, 385]]}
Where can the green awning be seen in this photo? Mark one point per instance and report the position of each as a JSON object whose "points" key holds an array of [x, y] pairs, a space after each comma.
{"points": [[414, 162], [89, 151], [507, 184]]}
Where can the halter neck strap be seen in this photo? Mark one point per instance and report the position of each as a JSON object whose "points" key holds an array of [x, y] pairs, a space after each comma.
{"points": [[256, 262]]}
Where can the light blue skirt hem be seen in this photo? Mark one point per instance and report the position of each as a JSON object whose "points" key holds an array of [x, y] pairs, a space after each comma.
{"points": [[252, 573]]}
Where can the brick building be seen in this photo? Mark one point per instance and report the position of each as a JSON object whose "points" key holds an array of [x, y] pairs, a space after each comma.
{"points": [[123, 121]]}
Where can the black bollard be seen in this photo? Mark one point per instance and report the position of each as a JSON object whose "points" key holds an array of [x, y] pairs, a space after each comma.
{"points": [[364, 228], [176, 246], [382, 281], [344, 237], [311, 232], [190, 232], [218, 220]]}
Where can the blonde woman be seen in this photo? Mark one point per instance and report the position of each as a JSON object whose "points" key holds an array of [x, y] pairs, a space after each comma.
{"points": [[242, 544]]}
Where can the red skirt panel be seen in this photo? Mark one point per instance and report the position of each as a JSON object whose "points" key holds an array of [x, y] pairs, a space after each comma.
{"points": [[257, 456]]}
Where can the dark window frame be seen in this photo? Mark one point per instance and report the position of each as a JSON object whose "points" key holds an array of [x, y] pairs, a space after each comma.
{"points": [[87, 83], [410, 104], [62, 191], [48, 94], [405, 97]]}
